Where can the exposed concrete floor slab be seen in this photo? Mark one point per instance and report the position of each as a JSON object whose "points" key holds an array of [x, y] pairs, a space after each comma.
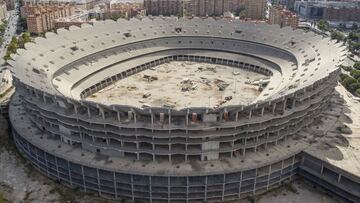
{"points": [[166, 87], [341, 149]]}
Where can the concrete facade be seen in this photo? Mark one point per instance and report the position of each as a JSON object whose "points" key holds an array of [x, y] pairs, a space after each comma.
{"points": [[161, 154]]}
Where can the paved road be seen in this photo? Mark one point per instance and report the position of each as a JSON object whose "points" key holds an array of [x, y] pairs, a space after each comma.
{"points": [[9, 32]]}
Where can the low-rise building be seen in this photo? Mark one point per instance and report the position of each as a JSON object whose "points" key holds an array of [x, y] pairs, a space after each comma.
{"points": [[283, 17], [3, 10]]}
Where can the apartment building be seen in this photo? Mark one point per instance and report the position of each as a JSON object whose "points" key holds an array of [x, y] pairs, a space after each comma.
{"points": [[40, 18], [283, 17], [164, 7], [255, 9]]}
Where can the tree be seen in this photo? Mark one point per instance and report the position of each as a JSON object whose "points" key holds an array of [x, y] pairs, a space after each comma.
{"points": [[354, 26], [347, 81], [2, 28], [354, 86], [354, 36], [243, 14], [358, 92], [337, 35], [13, 46], [342, 26], [357, 65], [355, 74], [346, 68], [323, 25]]}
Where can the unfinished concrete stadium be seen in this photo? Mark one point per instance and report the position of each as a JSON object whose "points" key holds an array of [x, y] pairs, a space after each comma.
{"points": [[176, 110]]}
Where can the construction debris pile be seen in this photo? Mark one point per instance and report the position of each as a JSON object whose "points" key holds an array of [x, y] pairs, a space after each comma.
{"points": [[222, 85], [150, 78], [187, 85]]}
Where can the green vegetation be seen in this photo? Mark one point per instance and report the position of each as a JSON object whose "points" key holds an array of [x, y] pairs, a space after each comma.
{"points": [[351, 82], [346, 68], [2, 30], [2, 198], [17, 43], [355, 74], [353, 39], [338, 36], [357, 65], [241, 12], [22, 24], [323, 25]]}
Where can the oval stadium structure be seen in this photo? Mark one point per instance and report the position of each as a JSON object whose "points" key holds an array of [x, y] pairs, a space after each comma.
{"points": [[168, 109]]}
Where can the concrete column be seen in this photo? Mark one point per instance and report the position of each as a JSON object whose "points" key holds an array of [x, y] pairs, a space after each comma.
{"points": [[293, 103], [132, 187], [206, 188], [250, 113], [101, 112], [89, 112], [114, 179], [256, 173], [267, 138], [232, 148], [292, 166], [168, 189], [150, 190], [44, 98], [118, 116], [274, 108], [262, 111], [47, 164], [152, 120], [240, 184], [187, 188], [169, 112], [237, 116], [69, 173], [83, 176], [268, 181], [223, 188], [57, 168], [75, 109], [284, 107], [339, 178]]}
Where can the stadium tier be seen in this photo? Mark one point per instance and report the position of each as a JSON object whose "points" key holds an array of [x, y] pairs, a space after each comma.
{"points": [[168, 109]]}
